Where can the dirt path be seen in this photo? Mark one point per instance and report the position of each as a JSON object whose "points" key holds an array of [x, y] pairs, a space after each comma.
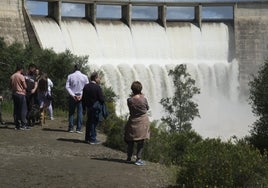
{"points": [[52, 157]]}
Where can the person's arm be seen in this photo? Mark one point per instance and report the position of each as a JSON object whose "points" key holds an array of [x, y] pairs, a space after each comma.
{"points": [[68, 87], [35, 87], [50, 83], [24, 83]]}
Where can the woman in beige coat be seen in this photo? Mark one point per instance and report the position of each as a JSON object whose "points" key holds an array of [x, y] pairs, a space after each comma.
{"points": [[137, 127]]}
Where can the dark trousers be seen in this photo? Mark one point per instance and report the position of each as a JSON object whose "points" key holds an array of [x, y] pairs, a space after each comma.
{"points": [[78, 105], [20, 110], [91, 125], [130, 148]]}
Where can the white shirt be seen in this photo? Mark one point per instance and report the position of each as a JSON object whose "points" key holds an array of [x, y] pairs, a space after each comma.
{"points": [[49, 85], [76, 82]]}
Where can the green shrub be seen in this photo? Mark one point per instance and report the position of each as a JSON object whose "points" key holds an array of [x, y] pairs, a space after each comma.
{"points": [[213, 163], [7, 106], [258, 96], [168, 148], [156, 147], [114, 130]]}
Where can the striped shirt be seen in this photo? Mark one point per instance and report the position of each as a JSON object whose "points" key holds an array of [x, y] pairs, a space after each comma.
{"points": [[75, 83]]}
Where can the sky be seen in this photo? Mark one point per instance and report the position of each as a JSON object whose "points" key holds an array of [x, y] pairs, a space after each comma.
{"points": [[138, 12]]}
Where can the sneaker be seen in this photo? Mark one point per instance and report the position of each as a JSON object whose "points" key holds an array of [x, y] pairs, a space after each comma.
{"points": [[51, 118], [79, 132], [70, 131], [139, 162], [94, 142], [25, 128]]}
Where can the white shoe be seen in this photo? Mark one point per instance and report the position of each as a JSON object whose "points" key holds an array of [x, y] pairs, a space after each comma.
{"points": [[139, 162]]}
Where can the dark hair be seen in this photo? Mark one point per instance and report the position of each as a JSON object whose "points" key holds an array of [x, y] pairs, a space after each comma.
{"points": [[32, 66], [19, 67], [136, 87], [42, 83], [94, 76], [76, 67]]}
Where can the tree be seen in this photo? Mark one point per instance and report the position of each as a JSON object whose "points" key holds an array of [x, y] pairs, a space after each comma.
{"points": [[181, 108], [259, 102]]}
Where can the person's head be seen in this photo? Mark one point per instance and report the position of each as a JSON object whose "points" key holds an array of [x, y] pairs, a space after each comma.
{"points": [[37, 71], [136, 87], [44, 75], [31, 68], [95, 77], [19, 67], [77, 67]]}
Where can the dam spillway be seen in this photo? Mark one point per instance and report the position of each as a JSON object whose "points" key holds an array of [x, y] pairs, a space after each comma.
{"points": [[220, 56]]}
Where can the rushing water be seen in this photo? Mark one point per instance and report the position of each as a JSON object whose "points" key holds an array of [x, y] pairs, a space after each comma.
{"points": [[147, 51]]}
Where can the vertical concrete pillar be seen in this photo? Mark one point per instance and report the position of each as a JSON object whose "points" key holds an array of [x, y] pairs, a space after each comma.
{"points": [[127, 14], [235, 30], [54, 11], [162, 15], [198, 15], [91, 11]]}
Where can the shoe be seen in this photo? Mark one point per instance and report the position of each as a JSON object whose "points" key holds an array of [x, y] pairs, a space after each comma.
{"points": [[139, 162], [25, 128], [2, 123], [70, 131], [79, 132], [51, 118], [128, 160], [94, 142]]}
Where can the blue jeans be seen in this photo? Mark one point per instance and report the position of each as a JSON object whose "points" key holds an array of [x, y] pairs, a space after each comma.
{"points": [[91, 125], [20, 110], [72, 105]]}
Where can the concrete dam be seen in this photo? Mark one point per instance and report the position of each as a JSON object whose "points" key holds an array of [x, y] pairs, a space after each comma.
{"points": [[221, 55]]}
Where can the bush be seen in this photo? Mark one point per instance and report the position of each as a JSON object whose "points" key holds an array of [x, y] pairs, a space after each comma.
{"points": [[114, 129], [212, 163], [168, 148], [259, 103]]}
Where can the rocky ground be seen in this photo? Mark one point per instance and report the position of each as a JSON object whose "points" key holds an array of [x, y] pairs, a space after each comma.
{"points": [[49, 156]]}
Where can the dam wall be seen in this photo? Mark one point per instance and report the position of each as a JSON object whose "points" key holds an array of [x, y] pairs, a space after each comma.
{"points": [[12, 25], [251, 39]]}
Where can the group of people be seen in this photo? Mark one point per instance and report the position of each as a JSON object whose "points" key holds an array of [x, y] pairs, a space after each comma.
{"points": [[85, 97], [29, 89]]}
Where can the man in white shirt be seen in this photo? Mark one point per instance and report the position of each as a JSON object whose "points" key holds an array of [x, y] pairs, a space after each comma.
{"points": [[74, 85], [49, 88]]}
